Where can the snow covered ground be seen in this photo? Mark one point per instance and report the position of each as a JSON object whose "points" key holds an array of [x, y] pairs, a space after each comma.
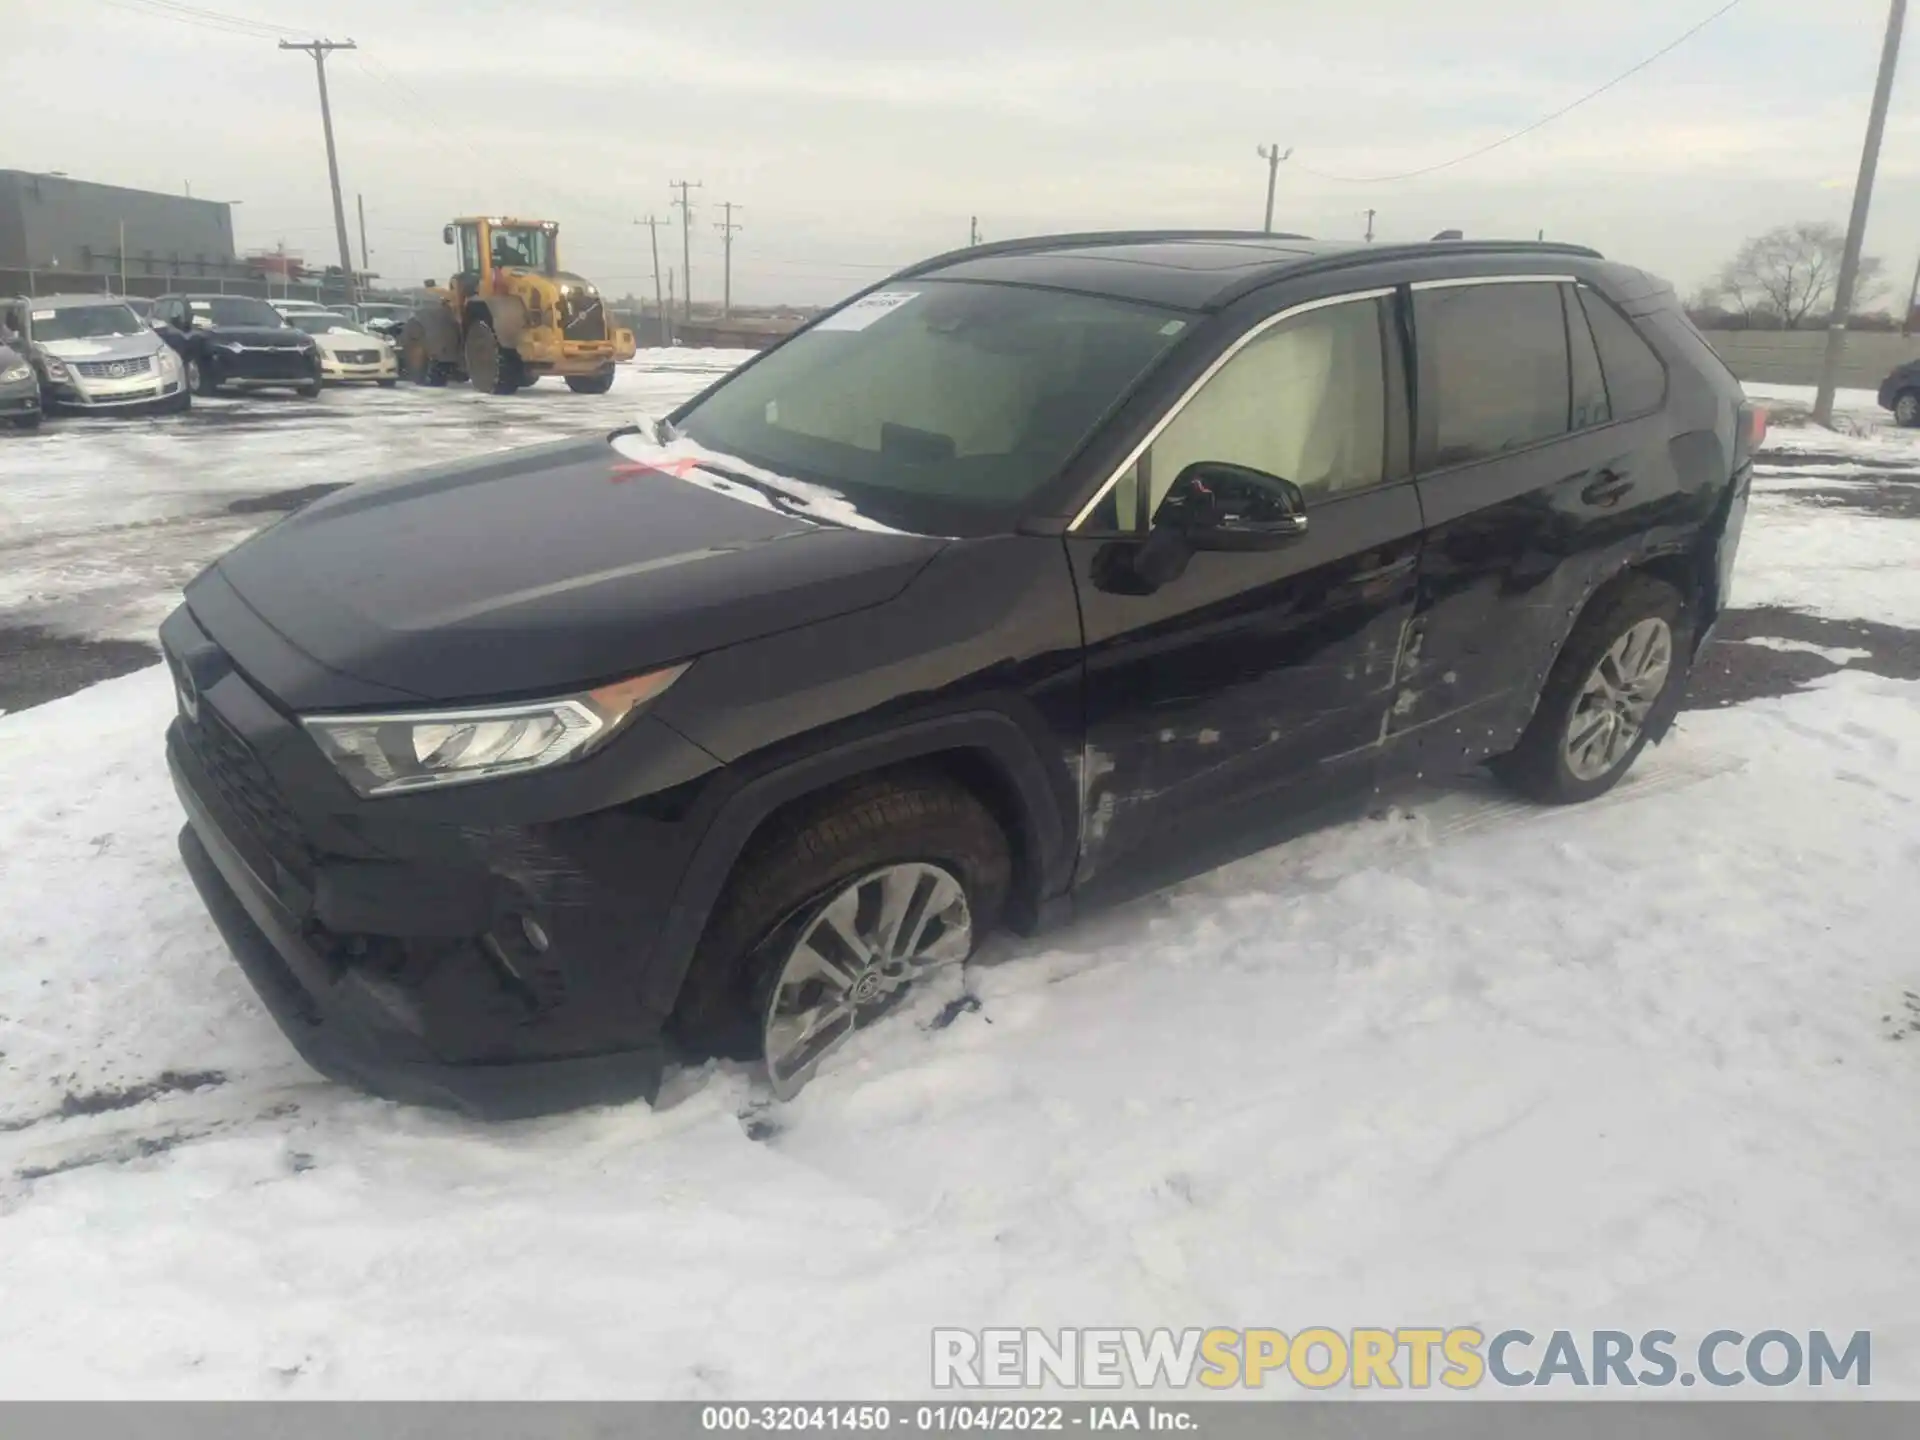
{"points": [[1645, 1063]]}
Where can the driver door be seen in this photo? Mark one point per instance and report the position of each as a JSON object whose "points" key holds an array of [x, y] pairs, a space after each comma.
{"points": [[1254, 685]]}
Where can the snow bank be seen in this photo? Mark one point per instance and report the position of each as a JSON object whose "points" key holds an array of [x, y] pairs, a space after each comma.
{"points": [[1468, 1063]]}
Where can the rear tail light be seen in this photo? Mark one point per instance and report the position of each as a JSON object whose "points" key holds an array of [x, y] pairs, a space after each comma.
{"points": [[1750, 432]]}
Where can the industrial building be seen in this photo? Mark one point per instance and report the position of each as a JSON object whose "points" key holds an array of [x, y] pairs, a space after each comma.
{"points": [[60, 233]]}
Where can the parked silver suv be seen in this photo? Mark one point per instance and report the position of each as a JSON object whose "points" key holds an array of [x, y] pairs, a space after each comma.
{"points": [[92, 352]]}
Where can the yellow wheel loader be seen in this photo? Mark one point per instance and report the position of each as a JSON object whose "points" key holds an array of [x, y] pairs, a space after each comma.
{"points": [[510, 314]]}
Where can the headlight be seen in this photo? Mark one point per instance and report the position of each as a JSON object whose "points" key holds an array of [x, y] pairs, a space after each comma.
{"points": [[56, 371], [17, 372], [163, 360], [387, 754]]}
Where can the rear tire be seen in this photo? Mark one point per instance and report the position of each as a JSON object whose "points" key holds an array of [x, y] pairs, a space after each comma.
{"points": [[812, 855], [598, 383], [1906, 408], [1618, 682]]}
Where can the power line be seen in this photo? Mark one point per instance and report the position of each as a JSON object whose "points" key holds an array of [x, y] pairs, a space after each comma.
{"points": [[1544, 120], [203, 18]]}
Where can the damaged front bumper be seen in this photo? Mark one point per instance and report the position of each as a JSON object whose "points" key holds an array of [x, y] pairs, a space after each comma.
{"points": [[460, 952]]}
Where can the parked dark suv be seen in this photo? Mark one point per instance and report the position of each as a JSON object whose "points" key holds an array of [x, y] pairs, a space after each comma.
{"points": [[1037, 574], [237, 341]]}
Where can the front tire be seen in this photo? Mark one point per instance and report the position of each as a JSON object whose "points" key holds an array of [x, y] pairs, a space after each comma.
{"points": [[885, 880], [416, 361], [598, 383], [27, 422], [308, 391], [1906, 408], [491, 369], [1616, 685], [201, 378]]}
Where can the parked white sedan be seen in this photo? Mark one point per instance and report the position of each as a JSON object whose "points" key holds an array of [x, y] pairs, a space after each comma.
{"points": [[346, 351]]}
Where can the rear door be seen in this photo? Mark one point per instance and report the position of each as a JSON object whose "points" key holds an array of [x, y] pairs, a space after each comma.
{"points": [[1254, 685], [1540, 475]]}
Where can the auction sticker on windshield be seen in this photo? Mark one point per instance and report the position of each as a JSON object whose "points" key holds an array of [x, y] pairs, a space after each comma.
{"points": [[864, 311]]}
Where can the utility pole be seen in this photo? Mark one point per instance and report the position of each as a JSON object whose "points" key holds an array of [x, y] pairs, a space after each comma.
{"points": [[1370, 215], [669, 301], [320, 49], [360, 204], [123, 257], [1273, 155], [652, 223], [973, 230], [1857, 222], [686, 239], [727, 231]]}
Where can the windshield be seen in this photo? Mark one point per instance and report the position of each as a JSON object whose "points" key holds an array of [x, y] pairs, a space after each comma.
{"points": [[316, 324], [85, 322], [236, 310], [941, 406], [526, 246]]}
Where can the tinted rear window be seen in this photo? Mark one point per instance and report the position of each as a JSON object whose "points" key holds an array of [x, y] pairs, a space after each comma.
{"points": [[1493, 368]]}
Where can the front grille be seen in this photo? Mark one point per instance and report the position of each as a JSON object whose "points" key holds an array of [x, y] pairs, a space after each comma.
{"points": [[268, 364], [358, 357], [583, 317], [113, 369], [247, 791]]}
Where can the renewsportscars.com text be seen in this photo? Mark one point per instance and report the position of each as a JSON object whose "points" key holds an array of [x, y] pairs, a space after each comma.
{"points": [[1412, 1358]]}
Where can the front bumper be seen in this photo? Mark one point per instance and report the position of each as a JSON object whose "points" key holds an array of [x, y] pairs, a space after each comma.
{"points": [[342, 1031], [391, 939], [263, 366], [385, 368], [20, 400], [153, 388]]}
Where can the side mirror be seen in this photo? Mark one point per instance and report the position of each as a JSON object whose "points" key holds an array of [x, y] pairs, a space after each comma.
{"points": [[1214, 505], [446, 234], [430, 284]]}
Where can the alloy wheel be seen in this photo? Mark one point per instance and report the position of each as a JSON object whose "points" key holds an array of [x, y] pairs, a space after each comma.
{"points": [[854, 957], [1611, 710], [1906, 409]]}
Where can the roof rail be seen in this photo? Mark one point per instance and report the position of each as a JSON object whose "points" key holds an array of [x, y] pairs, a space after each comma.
{"points": [[1369, 254], [1029, 243]]}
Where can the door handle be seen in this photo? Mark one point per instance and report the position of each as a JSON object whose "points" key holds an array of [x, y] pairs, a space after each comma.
{"points": [[1608, 489]]}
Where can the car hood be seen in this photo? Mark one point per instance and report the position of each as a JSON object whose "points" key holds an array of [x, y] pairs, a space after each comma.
{"points": [[103, 347], [542, 570]]}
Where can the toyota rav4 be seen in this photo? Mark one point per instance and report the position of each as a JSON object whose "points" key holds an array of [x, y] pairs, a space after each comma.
{"points": [[1035, 575]]}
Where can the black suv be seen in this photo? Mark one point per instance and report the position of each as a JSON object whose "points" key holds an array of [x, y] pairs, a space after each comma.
{"points": [[1042, 572], [236, 340]]}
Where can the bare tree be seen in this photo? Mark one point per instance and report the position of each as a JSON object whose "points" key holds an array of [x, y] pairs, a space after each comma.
{"points": [[1788, 275]]}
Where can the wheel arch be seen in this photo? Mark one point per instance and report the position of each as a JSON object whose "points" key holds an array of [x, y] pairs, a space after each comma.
{"points": [[984, 752]]}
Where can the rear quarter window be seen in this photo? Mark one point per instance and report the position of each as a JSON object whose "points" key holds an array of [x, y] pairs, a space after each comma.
{"points": [[1636, 378]]}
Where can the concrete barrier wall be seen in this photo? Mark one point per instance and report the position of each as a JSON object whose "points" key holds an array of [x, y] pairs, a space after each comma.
{"points": [[1792, 357]]}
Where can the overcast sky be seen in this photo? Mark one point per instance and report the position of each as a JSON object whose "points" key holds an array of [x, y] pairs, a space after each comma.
{"points": [[854, 134]]}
